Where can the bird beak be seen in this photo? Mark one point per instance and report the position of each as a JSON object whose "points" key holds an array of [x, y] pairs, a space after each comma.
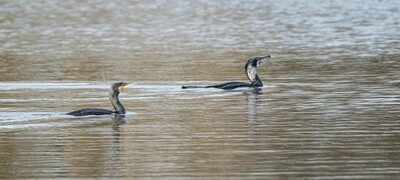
{"points": [[126, 85], [123, 87], [265, 57]]}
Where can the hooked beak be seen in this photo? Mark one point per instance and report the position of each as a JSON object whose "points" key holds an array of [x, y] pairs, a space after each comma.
{"points": [[265, 57], [123, 87], [262, 58]]}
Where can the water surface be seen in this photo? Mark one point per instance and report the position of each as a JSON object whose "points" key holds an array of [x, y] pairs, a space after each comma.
{"points": [[329, 108]]}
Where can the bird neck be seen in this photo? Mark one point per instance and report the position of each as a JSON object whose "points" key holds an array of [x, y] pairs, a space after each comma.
{"points": [[253, 77], [119, 108]]}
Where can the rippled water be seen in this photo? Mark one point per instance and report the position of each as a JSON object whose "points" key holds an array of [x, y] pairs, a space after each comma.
{"points": [[329, 108]]}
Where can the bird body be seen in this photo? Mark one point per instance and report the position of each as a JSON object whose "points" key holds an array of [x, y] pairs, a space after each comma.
{"points": [[251, 72], [115, 89], [90, 111]]}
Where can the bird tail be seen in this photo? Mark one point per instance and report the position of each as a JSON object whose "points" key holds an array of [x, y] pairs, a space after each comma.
{"points": [[191, 87]]}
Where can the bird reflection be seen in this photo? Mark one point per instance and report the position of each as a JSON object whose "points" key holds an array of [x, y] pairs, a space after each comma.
{"points": [[116, 159], [252, 100], [118, 120]]}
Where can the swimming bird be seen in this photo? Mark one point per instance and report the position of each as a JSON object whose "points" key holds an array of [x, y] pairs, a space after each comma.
{"points": [[114, 91], [250, 69]]}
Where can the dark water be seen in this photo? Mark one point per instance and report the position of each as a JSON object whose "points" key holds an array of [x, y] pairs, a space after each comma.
{"points": [[329, 108]]}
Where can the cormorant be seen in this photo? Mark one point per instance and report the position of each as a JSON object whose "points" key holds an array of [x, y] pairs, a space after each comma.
{"points": [[250, 68], [114, 91]]}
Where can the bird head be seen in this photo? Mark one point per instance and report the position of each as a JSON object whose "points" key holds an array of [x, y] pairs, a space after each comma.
{"points": [[119, 86], [256, 60]]}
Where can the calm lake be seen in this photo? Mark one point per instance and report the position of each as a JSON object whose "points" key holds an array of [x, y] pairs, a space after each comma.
{"points": [[329, 108]]}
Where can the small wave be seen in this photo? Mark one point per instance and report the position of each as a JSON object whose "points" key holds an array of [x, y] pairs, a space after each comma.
{"points": [[23, 120], [49, 85]]}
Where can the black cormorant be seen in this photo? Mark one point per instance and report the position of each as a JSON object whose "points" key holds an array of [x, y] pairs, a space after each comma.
{"points": [[250, 68], [115, 89]]}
